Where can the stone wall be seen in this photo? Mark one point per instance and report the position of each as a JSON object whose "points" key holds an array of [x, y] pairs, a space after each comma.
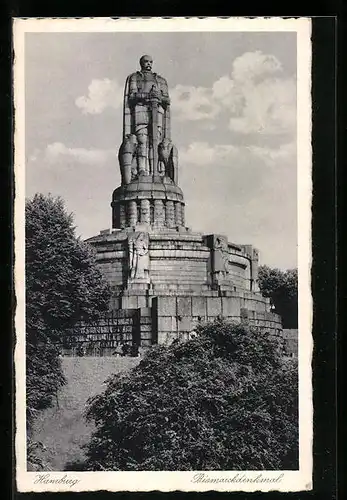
{"points": [[113, 329], [168, 318], [181, 260], [178, 316]]}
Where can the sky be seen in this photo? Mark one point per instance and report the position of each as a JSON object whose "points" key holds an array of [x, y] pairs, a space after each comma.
{"points": [[233, 119]]}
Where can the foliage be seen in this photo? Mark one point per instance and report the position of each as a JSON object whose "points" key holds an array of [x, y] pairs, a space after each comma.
{"points": [[44, 377], [282, 288], [62, 284], [223, 400], [35, 455]]}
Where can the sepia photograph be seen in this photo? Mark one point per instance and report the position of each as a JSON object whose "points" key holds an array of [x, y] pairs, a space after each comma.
{"points": [[163, 253]]}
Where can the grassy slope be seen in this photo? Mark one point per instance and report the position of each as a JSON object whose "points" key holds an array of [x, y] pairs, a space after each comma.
{"points": [[63, 429]]}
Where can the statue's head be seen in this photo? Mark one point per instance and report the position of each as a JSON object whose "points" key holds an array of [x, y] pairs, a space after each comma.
{"points": [[146, 63]]}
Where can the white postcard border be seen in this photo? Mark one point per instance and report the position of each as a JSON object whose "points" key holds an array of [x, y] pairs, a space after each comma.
{"points": [[175, 480]]}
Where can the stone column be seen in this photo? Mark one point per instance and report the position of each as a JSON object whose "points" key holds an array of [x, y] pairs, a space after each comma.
{"points": [[145, 211], [151, 212], [182, 215], [178, 213], [170, 214], [115, 216], [132, 213], [159, 214], [122, 216]]}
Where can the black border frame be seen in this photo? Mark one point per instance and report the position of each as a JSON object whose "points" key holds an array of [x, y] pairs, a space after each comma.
{"points": [[324, 276]]}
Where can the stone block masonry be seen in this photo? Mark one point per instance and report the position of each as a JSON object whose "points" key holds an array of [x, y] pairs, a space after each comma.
{"points": [[183, 278], [167, 319]]}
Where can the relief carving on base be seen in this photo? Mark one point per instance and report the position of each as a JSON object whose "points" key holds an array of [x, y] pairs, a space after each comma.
{"points": [[254, 270], [138, 245], [220, 258]]}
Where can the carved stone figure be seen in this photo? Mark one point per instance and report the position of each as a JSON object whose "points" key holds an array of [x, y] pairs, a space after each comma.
{"points": [[127, 158], [168, 157], [149, 193], [254, 270], [221, 257], [147, 117], [138, 255], [253, 267]]}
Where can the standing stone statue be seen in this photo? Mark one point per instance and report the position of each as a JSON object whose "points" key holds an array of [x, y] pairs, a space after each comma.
{"points": [[138, 244], [220, 258], [146, 148]]}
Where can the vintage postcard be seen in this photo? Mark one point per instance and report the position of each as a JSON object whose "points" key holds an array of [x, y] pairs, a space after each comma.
{"points": [[163, 254]]}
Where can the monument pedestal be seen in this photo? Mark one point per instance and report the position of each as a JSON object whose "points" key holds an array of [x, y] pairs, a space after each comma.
{"points": [[192, 278], [148, 200]]}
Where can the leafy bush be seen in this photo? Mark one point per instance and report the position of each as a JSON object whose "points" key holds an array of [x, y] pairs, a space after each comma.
{"points": [[223, 400], [282, 288], [35, 456]]}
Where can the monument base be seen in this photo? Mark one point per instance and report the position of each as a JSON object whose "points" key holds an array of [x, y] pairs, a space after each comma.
{"points": [[185, 279]]}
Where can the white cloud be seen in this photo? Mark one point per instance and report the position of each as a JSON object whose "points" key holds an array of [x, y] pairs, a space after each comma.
{"points": [[193, 103], [258, 97], [102, 94], [201, 153], [84, 178], [252, 65], [272, 156], [34, 155], [247, 193], [268, 108], [255, 95], [58, 151], [227, 93]]}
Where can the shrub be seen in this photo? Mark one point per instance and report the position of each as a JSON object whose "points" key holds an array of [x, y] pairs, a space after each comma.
{"points": [[282, 289], [223, 400]]}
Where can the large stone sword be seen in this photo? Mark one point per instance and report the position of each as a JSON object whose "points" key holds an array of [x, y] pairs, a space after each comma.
{"points": [[154, 107]]}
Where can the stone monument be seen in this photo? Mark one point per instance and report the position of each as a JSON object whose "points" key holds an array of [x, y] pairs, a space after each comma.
{"points": [[166, 278], [147, 157]]}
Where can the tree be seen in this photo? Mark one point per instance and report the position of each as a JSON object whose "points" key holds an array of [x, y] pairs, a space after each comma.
{"points": [[62, 284], [282, 288], [224, 400]]}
